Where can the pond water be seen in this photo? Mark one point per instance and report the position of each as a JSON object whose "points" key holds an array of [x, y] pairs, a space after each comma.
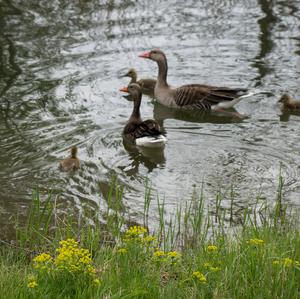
{"points": [[62, 63]]}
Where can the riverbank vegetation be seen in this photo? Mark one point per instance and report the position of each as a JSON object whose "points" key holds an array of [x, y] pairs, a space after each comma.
{"points": [[195, 254]]}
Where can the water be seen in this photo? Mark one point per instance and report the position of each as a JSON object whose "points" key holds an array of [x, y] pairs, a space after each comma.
{"points": [[61, 68]]}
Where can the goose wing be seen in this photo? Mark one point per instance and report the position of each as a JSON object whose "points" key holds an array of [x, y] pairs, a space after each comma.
{"points": [[146, 128], [204, 96]]}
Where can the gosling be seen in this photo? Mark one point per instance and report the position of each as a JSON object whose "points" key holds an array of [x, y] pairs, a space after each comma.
{"points": [[289, 103], [147, 85], [71, 163]]}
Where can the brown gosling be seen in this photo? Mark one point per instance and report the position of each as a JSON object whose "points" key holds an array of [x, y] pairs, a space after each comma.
{"points": [[147, 85], [289, 103], [71, 163]]}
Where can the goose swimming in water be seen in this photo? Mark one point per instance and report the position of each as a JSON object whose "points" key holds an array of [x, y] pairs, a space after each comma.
{"points": [[192, 96], [289, 103], [147, 85], [143, 133], [71, 163]]}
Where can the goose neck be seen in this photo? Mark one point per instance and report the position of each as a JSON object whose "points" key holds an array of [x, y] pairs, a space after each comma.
{"points": [[162, 72], [133, 78], [135, 115]]}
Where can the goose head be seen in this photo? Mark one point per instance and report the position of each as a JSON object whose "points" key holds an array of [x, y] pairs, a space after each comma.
{"points": [[155, 55], [131, 73], [133, 89], [285, 99]]}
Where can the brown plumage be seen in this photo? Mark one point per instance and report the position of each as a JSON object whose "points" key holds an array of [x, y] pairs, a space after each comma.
{"points": [[71, 163], [136, 128], [192, 96], [147, 85], [289, 103]]}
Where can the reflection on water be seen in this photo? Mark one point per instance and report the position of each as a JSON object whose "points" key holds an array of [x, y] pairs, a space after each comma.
{"points": [[285, 115], [150, 158], [60, 74]]}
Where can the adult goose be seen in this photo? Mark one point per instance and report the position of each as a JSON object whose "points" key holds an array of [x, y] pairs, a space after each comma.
{"points": [[289, 103], [147, 85], [143, 133], [192, 96], [71, 163]]}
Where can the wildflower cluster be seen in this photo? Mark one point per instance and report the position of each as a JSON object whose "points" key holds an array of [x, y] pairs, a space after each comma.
{"points": [[73, 259], [171, 257], [32, 282], [122, 250], [211, 268], [212, 248], [139, 235], [135, 233], [256, 242], [43, 261], [69, 260], [286, 262], [199, 277]]}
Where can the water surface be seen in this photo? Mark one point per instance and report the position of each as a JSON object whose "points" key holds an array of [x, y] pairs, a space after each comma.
{"points": [[61, 67]]}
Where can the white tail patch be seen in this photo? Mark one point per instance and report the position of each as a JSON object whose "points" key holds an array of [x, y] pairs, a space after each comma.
{"points": [[151, 141], [249, 94], [229, 104]]}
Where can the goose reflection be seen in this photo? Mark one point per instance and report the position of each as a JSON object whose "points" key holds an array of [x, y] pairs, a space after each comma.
{"points": [[160, 113], [286, 114], [150, 158]]}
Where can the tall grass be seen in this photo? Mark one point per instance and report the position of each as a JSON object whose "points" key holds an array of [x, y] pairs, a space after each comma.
{"points": [[199, 252]]}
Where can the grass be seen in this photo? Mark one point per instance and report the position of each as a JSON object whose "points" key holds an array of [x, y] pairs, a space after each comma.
{"points": [[196, 254]]}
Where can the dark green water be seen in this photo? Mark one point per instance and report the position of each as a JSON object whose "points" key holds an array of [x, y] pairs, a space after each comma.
{"points": [[61, 65]]}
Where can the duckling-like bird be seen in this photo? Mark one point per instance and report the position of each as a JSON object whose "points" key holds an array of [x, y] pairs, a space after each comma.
{"points": [[147, 85], [71, 163], [143, 133], [192, 96], [289, 103]]}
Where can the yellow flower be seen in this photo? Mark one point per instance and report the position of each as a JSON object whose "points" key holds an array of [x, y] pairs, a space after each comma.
{"points": [[96, 282], [211, 268], [43, 262], [174, 254], [287, 262], [148, 240], [68, 243], [256, 241], [136, 231], [199, 276], [158, 254], [212, 248], [91, 270], [122, 250], [42, 258], [214, 269], [73, 259], [135, 234], [32, 284]]}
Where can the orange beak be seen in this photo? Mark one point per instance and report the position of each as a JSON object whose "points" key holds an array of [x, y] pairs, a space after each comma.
{"points": [[125, 89], [145, 55]]}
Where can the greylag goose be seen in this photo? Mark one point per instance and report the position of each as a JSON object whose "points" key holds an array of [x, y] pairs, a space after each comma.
{"points": [[192, 96], [289, 103], [143, 133], [147, 85], [71, 163]]}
